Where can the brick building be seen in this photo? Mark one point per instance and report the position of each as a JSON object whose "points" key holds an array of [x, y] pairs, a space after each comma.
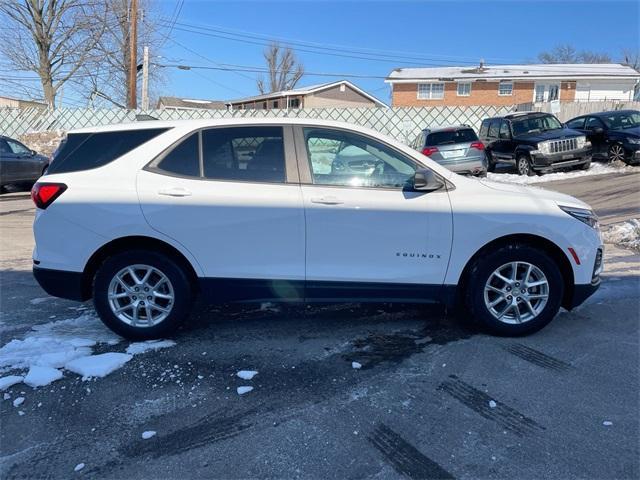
{"points": [[511, 84]]}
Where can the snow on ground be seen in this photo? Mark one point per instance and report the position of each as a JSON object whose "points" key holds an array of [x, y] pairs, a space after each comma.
{"points": [[246, 374], [98, 365], [595, 169], [41, 376], [47, 349], [142, 347], [244, 389], [625, 234], [148, 434]]}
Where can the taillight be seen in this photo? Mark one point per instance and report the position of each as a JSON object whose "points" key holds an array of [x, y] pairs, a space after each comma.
{"points": [[478, 145], [429, 150], [44, 194]]}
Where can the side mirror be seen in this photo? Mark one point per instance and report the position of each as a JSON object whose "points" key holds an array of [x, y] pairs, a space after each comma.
{"points": [[598, 130], [426, 181], [33, 153]]}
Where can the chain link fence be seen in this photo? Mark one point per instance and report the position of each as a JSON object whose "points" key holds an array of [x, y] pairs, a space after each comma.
{"points": [[403, 124]]}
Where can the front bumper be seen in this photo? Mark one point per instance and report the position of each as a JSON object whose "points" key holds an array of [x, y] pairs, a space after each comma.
{"points": [[583, 291], [633, 152], [61, 283], [543, 162]]}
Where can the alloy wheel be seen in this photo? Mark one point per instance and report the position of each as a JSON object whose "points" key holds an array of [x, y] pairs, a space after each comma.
{"points": [[141, 295], [616, 153], [523, 166], [516, 292]]}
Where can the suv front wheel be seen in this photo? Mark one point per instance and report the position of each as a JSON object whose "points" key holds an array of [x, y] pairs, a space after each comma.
{"points": [[514, 290], [523, 164], [142, 295]]}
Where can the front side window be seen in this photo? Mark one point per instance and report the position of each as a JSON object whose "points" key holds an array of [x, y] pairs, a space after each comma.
{"points": [[464, 89], [593, 122], [18, 148], [347, 159], [505, 87], [249, 154], [430, 91], [183, 159], [577, 123]]}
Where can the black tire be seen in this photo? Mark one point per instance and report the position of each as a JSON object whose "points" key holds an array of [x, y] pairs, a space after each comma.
{"points": [[482, 270], [585, 166], [523, 165], [178, 278], [616, 153], [491, 166]]}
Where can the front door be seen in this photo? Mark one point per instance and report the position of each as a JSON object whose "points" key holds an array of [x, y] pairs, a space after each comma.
{"points": [[365, 229], [234, 208], [596, 133]]}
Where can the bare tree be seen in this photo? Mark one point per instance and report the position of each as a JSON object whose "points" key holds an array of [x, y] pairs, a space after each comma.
{"points": [[284, 69], [568, 54], [52, 38], [631, 58]]}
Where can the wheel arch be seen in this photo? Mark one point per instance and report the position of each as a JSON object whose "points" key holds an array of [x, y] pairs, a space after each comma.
{"points": [[536, 241], [123, 244]]}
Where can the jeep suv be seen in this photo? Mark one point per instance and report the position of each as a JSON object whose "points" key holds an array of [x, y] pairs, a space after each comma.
{"points": [[144, 217], [534, 143]]}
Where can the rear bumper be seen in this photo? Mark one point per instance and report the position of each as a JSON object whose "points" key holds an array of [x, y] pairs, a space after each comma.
{"points": [[475, 166], [61, 283]]}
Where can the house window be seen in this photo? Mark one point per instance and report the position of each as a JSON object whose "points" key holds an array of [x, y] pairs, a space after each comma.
{"points": [[554, 92], [539, 93], [275, 104], [505, 88], [464, 89], [264, 105], [294, 103], [430, 91]]}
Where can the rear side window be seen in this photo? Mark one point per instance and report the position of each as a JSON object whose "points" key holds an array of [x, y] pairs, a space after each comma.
{"points": [[84, 151], [493, 128], [484, 129], [449, 137], [183, 159], [250, 154]]}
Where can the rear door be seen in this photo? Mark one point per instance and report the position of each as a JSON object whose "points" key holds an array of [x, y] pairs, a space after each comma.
{"points": [[366, 231], [502, 148], [227, 196]]}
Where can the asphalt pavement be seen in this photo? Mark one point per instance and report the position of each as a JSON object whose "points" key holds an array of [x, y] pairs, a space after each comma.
{"points": [[433, 398]]}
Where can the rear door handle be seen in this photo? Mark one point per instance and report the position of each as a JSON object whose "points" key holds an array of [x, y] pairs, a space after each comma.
{"points": [[175, 192], [330, 200]]}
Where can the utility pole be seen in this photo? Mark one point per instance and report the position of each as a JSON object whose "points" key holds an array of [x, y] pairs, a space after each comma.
{"points": [[133, 55], [145, 79]]}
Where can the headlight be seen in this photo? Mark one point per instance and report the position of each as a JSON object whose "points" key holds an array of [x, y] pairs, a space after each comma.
{"points": [[580, 141], [635, 141], [582, 214], [544, 147]]}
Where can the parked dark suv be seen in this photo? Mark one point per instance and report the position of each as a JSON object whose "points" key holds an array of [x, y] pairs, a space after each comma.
{"points": [[533, 142], [615, 136]]}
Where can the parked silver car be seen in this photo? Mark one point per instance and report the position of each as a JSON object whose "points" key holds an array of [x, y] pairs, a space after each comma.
{"points": [[19, 165], [456, 148]]}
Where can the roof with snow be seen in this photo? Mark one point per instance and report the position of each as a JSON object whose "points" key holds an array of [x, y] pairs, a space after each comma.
{"points": [[308, 90], [517, 72]]}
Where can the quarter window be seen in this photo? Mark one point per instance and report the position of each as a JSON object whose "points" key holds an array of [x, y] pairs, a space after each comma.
{"points": [[504, 130], [430, 91], [505, 87], [493, 128], [351, 160], [183, 159], [464, 89], [250, 154]]}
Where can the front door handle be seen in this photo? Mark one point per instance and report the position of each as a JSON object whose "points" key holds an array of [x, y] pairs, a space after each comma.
{"points": [[175, 192], [330, 200]]}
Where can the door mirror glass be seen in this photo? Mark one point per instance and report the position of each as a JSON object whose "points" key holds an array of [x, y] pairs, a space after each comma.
{"points": [[425, 180]]}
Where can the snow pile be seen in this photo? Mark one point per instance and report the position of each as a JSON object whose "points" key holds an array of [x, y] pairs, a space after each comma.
{"points": [[142, 347], [625, 234], [243, 390], [356, 365], [595, 169], [66, 344], [98, 365], [148, 434]]}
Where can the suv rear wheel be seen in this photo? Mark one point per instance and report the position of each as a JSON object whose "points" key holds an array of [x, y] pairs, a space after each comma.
{"points": [[515, 290], [142, 295], [523, 164]]}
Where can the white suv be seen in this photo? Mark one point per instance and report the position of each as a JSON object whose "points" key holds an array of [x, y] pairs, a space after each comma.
{"points": [[143, 217]]}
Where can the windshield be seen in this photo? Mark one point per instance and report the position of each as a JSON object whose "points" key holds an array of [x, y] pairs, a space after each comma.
{"points": [[448, 137], [535, 124], [621, 120]]}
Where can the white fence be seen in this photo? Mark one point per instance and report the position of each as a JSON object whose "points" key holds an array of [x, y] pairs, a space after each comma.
{"points": [[570, 110], [403, 124]]}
